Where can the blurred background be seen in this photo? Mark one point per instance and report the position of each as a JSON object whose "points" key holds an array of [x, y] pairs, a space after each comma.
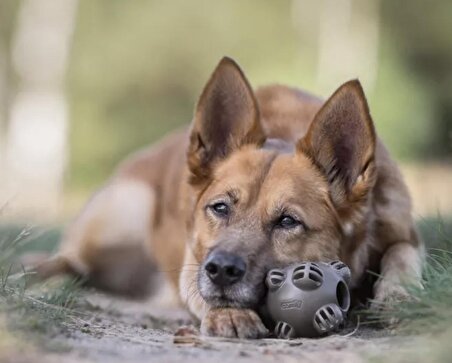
{"points": [[84, 83]]}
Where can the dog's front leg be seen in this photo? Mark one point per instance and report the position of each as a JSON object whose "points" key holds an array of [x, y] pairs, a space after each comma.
{"points": [[233, 323], [401, 266]]}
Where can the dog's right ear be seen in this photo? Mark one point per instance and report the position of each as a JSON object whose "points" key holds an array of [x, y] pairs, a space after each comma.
{"points": [[226, 118]]}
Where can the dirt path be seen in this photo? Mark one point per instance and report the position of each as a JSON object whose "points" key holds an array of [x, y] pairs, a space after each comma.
{"points": [[124, 331]]}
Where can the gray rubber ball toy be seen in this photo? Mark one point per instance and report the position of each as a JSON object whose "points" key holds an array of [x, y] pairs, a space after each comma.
{"points": [[308, 299]]}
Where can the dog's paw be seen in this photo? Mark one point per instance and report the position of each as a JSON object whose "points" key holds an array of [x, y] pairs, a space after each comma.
{"points": [[233, 323], [388, 293]]}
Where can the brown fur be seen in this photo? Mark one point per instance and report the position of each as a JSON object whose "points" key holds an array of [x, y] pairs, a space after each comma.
{"points": [[277, 151]]}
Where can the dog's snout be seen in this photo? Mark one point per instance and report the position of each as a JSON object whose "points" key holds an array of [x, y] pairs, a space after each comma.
{"points": [[224, 268]]}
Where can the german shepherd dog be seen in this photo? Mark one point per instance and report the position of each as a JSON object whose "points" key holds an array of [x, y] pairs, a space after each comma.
{"points": [[260, 180]]}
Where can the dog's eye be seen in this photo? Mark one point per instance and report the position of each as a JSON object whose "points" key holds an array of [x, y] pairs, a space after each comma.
{"points": [[286, 221], [221, 209]]}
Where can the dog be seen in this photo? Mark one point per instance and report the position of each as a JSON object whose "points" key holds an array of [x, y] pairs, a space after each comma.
{"points": [[260, 180]]}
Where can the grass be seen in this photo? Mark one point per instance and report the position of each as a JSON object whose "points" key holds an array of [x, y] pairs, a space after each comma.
{"points": [[427, 317], [429, 309], [35, 312]]}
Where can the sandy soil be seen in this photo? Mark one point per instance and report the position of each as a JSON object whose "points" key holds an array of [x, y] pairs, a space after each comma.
{"points": [[117, 330]]}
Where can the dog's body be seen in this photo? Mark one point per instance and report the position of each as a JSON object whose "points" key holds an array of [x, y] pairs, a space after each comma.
{"points": [[259, 181]]}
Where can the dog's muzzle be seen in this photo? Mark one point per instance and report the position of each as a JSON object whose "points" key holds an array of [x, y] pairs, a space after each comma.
{"points": [[224, 268]]}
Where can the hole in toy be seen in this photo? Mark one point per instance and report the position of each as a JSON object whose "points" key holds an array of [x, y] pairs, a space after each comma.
{"points": [[315, 277], [342, 295], [276, 280], [299, 272], [286, 330], [278, 328], [316, 269]]}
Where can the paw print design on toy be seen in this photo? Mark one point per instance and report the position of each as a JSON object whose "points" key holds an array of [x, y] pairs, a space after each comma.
{"points": [[308, 299]]}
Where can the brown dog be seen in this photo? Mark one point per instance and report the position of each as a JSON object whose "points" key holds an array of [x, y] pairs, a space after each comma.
{"points": [[261, 180]]}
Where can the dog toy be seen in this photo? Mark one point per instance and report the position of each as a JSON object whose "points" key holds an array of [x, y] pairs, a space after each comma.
{"points": [[308, 299]]}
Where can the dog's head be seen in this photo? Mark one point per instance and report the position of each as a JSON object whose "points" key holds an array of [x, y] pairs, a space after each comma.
{"points": [[257, 206]]}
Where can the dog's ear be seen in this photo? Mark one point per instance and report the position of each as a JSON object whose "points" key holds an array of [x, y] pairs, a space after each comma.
{"points": [[226, 118], [341, 142]]}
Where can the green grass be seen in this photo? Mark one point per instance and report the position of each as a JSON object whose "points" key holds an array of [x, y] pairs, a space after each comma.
{"points": [[45, 309], [429, 311], [17, 239], [426, 319]]}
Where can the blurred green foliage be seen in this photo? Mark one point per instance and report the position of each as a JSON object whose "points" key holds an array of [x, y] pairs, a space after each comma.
{"points": [[422, 32], [137, 67], [8, 12]]}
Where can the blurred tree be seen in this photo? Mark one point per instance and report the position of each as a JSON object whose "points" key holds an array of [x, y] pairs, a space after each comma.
{"points": [[423, 33], [35, 145], [138, 67], [348, 42], [8, 11]]}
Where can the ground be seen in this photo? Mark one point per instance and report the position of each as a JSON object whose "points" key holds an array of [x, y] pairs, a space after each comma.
{"points": [[118, 330]]}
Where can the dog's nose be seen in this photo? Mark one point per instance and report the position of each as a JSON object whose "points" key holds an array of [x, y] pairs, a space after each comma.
{"points": [[224, 268]]}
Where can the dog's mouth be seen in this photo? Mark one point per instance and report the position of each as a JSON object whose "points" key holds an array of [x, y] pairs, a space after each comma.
{"points": [[222, 300], [240, 295]]}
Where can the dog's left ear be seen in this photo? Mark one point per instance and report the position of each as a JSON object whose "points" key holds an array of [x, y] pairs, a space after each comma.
{"points": [[226, 118], [341, 142]]}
